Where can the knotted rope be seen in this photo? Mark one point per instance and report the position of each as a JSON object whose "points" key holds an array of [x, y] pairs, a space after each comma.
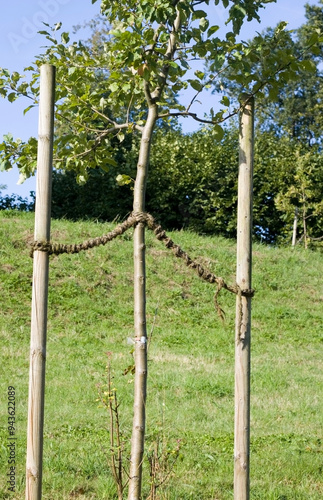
{"points": [[59, 248], [147, 219]]}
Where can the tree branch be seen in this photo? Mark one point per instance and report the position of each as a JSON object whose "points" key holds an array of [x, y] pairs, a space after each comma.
{"points": [[101, 136], [73, 122], [210, 80], [203, 120], [171, 49]]}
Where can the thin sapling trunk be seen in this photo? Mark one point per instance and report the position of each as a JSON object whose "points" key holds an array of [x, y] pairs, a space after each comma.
{"points": [[140, 351]]}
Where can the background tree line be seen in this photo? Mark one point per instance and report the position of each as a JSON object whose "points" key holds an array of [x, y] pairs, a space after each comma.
{"points": [[193, 185]]}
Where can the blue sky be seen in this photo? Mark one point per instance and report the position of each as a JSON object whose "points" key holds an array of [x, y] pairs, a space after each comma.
{"points": [[20, 42]]}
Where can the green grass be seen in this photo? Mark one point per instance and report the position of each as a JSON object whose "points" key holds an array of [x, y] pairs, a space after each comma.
{"points": [[191, 364]]}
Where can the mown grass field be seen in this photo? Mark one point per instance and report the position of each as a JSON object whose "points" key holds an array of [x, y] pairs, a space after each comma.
{"points": [[191, 364]]}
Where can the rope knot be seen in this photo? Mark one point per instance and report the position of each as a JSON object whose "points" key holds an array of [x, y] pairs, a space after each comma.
{"points": [[247, 292], [41, 246], [139, 217]]}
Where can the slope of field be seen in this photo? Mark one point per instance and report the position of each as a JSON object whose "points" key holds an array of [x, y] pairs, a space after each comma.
{"points": [[191, 364]]}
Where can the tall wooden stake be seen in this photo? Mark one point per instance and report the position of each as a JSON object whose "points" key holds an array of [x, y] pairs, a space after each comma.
{"points": [[243, 307], [40, 286]]}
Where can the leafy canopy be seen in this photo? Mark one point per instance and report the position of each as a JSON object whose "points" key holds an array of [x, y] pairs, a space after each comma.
{"points": [[105, 90]]}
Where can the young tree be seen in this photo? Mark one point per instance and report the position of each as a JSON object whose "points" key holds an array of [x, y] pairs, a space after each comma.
{"points": [[302, 198], [140, 72]]}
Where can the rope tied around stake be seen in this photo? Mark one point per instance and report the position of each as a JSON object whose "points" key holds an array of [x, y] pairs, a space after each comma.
{"points": [[147, 219], [60, 248]]}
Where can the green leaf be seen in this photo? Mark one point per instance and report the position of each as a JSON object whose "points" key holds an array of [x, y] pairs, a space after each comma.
{"points": [[105, 168], [29, 107], [204, 24], [15, 76], [12, 97], [199, 14], [212, 30], [114, 87], [81, 179], [225, 101], [218, 132], [111, 161], [185, 64], [5, 165], [273, 93], [196, 85], [121, 136], [8, 137], [65, 37], [146, 74], [199, 74], [123, 179], [308, 65]]}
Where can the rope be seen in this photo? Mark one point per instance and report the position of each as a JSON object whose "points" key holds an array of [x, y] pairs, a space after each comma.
{"points": [[59, 248], [145, 218], [202, 272]]}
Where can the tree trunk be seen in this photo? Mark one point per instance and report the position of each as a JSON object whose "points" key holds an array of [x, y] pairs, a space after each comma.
{"points": [[140, 383], [139, 417], [34, 464], [305, 226], [295, 227], [243, 309]]}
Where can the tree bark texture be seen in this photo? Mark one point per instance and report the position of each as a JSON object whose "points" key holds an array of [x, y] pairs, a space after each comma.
{"points": [[40, 286], [243, 308]]}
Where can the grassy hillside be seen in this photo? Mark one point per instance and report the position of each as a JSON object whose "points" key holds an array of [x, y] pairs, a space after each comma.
{"points": [[191, 363]]}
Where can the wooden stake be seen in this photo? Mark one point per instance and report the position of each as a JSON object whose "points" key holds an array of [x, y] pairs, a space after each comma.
{"points": [[243, 307], [40, 286]]}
